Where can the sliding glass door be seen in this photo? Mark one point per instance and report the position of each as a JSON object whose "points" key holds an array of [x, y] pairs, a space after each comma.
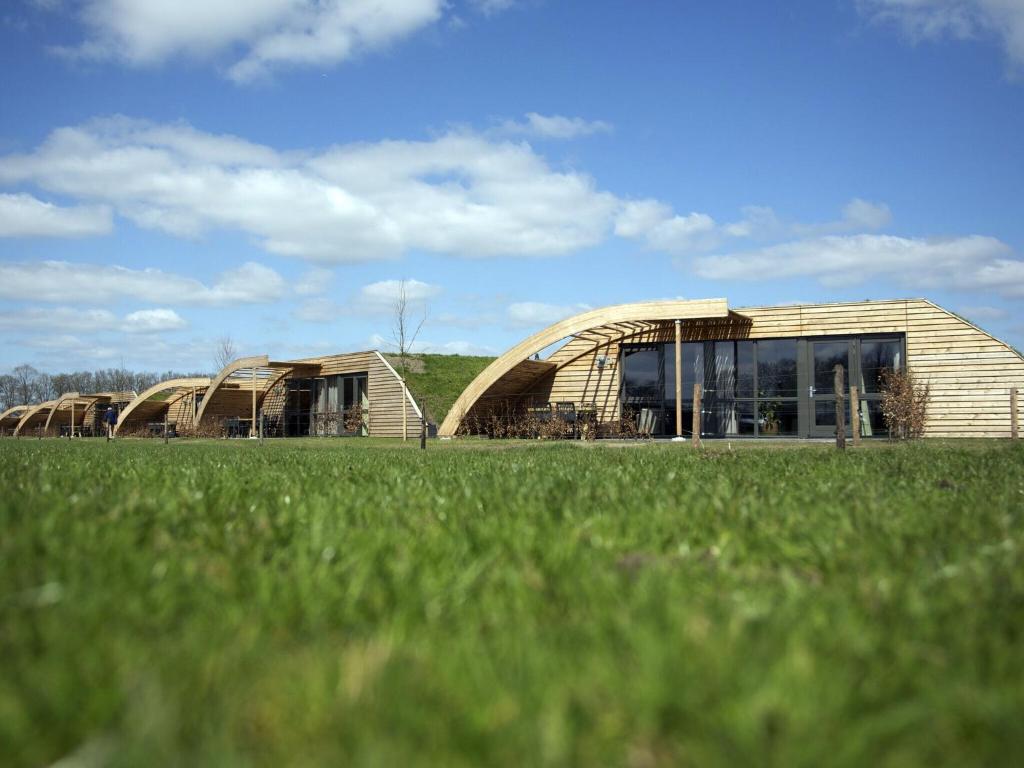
{"points": [[762, 388]]}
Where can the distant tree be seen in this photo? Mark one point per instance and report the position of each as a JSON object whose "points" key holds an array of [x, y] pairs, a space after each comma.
{"points": [[225, 352], [404, 327], [8, 392], [30, 386]]}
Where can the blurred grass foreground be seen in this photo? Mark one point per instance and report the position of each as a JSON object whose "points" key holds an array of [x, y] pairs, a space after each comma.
{"points": [[365, 603]]}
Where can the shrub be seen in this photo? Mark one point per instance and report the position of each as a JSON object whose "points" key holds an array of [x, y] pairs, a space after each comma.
{"points": [[904, 404]]}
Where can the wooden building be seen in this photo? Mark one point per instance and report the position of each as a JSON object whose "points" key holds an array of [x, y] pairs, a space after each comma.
{"points": [[764, 371], [71, 413], [353, 394], [9, 419]]}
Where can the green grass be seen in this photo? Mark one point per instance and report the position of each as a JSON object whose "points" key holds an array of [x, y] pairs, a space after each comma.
{"points": [[436, 381], [365, 603]]}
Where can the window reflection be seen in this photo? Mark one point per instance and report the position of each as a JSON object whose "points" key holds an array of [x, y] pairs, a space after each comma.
{"points": [[827, 355], [641, 376], [877, 355], [776, 368]]}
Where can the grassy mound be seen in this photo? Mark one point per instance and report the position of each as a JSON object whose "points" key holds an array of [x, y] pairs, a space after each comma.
{"points": [[436, 381]]}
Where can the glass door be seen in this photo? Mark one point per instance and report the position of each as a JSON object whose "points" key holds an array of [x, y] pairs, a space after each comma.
{"points": [[823, 357]]}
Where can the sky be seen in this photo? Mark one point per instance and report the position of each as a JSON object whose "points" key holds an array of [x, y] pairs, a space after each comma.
{"points": [[173, 172]]}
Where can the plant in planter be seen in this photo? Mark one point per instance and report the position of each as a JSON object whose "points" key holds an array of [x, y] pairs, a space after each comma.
{"points": [[768, 417]]}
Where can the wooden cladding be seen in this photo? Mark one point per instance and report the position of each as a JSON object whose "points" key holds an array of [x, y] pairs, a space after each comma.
{"points": [[969, 372]]}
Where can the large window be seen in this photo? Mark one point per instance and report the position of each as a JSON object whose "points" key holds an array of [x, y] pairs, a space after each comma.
{"points": [[327, 405], [770, 387], [876, 356]]}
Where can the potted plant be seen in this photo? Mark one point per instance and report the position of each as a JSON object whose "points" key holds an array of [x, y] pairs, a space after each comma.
{"points": [[768, 417]]}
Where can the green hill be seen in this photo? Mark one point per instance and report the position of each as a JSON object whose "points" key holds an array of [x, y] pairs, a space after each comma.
{"points": [[436, 381]]}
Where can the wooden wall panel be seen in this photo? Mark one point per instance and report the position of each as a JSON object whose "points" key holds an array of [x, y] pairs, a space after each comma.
{"points": [[969, 372], [384, 390]]}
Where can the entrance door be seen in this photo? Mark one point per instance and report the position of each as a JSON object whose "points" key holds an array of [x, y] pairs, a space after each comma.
{"points": [[823, 357]]}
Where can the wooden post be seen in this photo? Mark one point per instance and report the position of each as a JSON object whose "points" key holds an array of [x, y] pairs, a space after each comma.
{"points": [[1014, 415], [165, 426], [679, 378], [252, 429], [855, 414], [405, 412], [262, 419], [840, 409], [423, 430], [696, 415], [71, 434]]}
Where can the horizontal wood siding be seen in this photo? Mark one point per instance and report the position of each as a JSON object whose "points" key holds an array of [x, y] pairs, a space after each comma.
{"points": [[384, 391], [969, 372]]}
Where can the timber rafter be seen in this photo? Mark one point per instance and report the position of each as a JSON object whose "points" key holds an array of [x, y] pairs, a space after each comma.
{"points": [[178, 386], [593, 322]]}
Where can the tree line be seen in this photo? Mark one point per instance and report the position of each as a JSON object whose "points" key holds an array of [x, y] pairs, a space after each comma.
{"points": [[27, 386]]}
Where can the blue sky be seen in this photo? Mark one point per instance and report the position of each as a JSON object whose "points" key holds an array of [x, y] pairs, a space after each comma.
{"points": [[174, 171]]}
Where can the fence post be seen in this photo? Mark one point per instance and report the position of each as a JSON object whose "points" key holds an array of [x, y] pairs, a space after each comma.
{"points": [[840, 408], [855, 414], [165, 426], [1014, 415], [696, 415], [423, 430]]}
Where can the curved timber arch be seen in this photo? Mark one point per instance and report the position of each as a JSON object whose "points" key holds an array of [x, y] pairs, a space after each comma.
{"points": [[12, 415], [156, 389], [640, 313], [243, 362], [72, 396], [32, 411], [13, 411]]}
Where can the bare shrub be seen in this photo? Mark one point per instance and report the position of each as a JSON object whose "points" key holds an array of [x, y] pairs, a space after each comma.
{"points": [[904, 404]]}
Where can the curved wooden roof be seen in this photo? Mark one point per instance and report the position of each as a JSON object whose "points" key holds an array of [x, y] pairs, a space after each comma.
{"points": [[241, 363], [13, 414], [509, 372], [32, 412], [156, 389]]}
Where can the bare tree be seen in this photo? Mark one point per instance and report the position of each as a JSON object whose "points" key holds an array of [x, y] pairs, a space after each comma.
{"points": [[404, 327], [225, 352], [29, 385], [8, 392]]}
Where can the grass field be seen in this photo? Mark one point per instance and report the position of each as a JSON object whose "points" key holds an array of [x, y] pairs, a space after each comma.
{"points": [[364, 603]]}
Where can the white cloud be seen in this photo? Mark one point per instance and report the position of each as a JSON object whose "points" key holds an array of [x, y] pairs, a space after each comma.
{"points": [[662, 230], [54, 281], [971, 263], [75, 320], [58, 319], [958, 19], [535, 313], [153, 321], [386, 292], [318, 311], [266, 33], [863, 214], [457, 347], [554, 126], [459, 194], [374, 299], [26, 216], [314, 282], [490, 7]]}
